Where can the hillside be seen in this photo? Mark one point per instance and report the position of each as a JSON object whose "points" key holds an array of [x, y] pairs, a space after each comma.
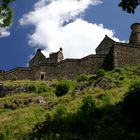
{"points": [[103, 106]]}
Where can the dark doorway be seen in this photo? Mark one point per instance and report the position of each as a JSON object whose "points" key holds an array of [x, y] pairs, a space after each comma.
{"points": [[42, 76]]}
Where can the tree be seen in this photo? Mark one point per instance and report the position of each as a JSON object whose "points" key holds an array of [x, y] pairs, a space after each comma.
{"points": [[6, 14], [129, 5]]}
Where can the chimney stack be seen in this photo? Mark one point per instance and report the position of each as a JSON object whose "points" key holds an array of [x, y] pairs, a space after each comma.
{"points": [[39, 50]]}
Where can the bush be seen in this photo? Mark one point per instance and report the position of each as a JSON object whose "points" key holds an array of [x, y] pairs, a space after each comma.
{"points": [[107, 99], [100, 73], [118, 70], [14, 79], [88, 105], [82, 78], [60, 111], [132, 101], [62, 88], [32, 88], [121, 78], [41, 89], [37, 89]]}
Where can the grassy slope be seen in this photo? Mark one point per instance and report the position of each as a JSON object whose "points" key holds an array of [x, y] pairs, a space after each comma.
{"points": [[15, 123]]}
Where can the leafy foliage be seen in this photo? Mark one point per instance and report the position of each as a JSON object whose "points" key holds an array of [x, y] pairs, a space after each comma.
{"points": [[14, 79], [37, 88], [60, 111], [132, 100], [32, 88], [62, 88], [6, 13], [129, 5], [100, 73], [88, 105], [82, 78]]}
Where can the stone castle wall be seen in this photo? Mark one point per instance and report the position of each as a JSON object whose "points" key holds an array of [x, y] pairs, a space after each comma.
{"points": [[109, 54], [20, 73], [68, 68], [125, 55], [108, 61], [120, 55], [48, 69]]}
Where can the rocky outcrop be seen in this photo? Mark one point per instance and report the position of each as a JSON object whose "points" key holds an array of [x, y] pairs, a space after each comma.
{"points": [[15, 103], [103, 83], [12, 89]]}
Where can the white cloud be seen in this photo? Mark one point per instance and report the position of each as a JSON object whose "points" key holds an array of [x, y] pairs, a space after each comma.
{"points": [[59, 23], [4, 32]]}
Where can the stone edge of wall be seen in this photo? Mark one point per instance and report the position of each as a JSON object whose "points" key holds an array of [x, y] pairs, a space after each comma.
{"points": [[23, 69]]}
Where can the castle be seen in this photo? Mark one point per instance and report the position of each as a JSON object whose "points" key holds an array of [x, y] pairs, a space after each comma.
{"points": [[109, 55]]}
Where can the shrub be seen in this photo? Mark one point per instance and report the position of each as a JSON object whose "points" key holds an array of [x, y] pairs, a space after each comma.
{"points": [[121, 78], [62, 88], [132, 101], [107, 99], [100, 73], [41, 89], [82, 78], [118, 70], [88, 105], [32, 88], [60, 111], [87, 118], [37, 89], [14, 79]]}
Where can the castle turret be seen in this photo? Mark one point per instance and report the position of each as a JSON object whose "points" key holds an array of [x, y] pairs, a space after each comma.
{"points": [[135, 34]]}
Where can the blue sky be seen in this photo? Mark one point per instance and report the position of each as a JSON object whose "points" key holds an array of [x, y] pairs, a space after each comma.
{"points": [[17, 48]]}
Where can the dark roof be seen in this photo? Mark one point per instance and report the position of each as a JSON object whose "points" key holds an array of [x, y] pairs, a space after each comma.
{"points": [[134, 25], [106, 38]]}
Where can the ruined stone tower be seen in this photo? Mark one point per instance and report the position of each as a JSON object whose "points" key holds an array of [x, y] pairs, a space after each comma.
{"points": [[56, 57], [135, 34]]}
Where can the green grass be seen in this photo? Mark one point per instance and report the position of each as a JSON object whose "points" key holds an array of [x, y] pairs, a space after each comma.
{"points": [[21, 121], [14, 124]]}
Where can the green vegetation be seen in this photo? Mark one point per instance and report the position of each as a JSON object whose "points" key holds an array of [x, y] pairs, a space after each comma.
{"points": [[6, 13], [101, 107], [14, 79], [132, 101], [129, 5], [37, 88], [100, 73], [62, 88], [82, 78]]}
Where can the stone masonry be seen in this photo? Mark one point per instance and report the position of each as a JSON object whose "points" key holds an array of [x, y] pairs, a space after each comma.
{"points": [[109, 54]]}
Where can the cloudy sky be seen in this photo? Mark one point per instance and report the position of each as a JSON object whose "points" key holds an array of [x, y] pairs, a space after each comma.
{"points": [[78, 26]]}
